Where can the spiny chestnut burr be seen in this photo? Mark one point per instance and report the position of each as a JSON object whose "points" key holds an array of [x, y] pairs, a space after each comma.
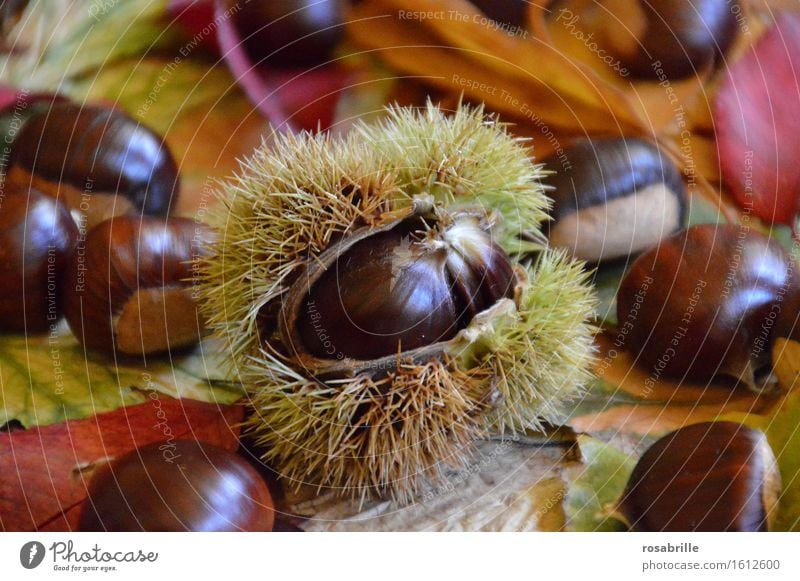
{"points": [[97, 159], [708, 477], [403, 289], [176, 486], [371, 293], [289, 33], [656, 38], [613, 198], [37, 235], [699, 304], [128, 288]]}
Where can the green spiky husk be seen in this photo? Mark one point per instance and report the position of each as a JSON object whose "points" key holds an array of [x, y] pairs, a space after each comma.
{"points": [[392, 432]]}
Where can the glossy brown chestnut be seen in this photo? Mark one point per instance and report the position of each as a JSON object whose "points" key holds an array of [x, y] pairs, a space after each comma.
{"points": [[289, 33], [403, 289], [36, 239], [699, 304], [177, 486], [128, 288], [710, 477], [97, 159], [613, 198], [656, 38]]}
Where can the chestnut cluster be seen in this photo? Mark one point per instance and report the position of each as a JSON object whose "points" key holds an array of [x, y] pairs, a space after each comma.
{"points": [[84, 232]]}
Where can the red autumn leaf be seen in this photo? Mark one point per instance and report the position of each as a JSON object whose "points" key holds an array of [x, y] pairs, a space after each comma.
{"points": [[288, 99], [757, 117], [45, 471]]}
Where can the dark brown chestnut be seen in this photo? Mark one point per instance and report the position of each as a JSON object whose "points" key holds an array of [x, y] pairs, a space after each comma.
{"points": [[36, 239], [510, 13], [100, 161], [409, 287], [655, 39], [699, 304], [613, 198], [708, 477], [289, 33], [129, 285], [180, 485]]}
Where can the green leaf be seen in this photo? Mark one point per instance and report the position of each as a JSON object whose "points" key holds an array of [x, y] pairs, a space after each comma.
{"points": [[66, 40], [49, 379], [595, 486]]}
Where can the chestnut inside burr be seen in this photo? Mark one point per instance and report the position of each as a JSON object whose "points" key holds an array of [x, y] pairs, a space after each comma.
{"points": [[403, 289]]}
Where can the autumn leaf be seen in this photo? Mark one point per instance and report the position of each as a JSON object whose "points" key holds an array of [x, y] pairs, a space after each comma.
{"points": [[758, 129], [627, 403], [45, 380], [46, 470], [595, 486]]}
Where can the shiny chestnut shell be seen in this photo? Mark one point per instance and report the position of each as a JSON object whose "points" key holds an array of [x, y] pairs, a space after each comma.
{"points": [[408, 287], [289, 33], [699, 304], [613, 198], [177, 486], [128, 287], [683, 35], [708, 477], [98, 150], [37, 235], [511, 13]]}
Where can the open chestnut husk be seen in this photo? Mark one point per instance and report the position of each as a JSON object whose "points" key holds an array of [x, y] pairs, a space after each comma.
{"points": [[698, 305], [708, 477], [613, 198], [37, 235], [175, 486], [129, 291], [98, 160], [374, 303], [656, 38]]}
